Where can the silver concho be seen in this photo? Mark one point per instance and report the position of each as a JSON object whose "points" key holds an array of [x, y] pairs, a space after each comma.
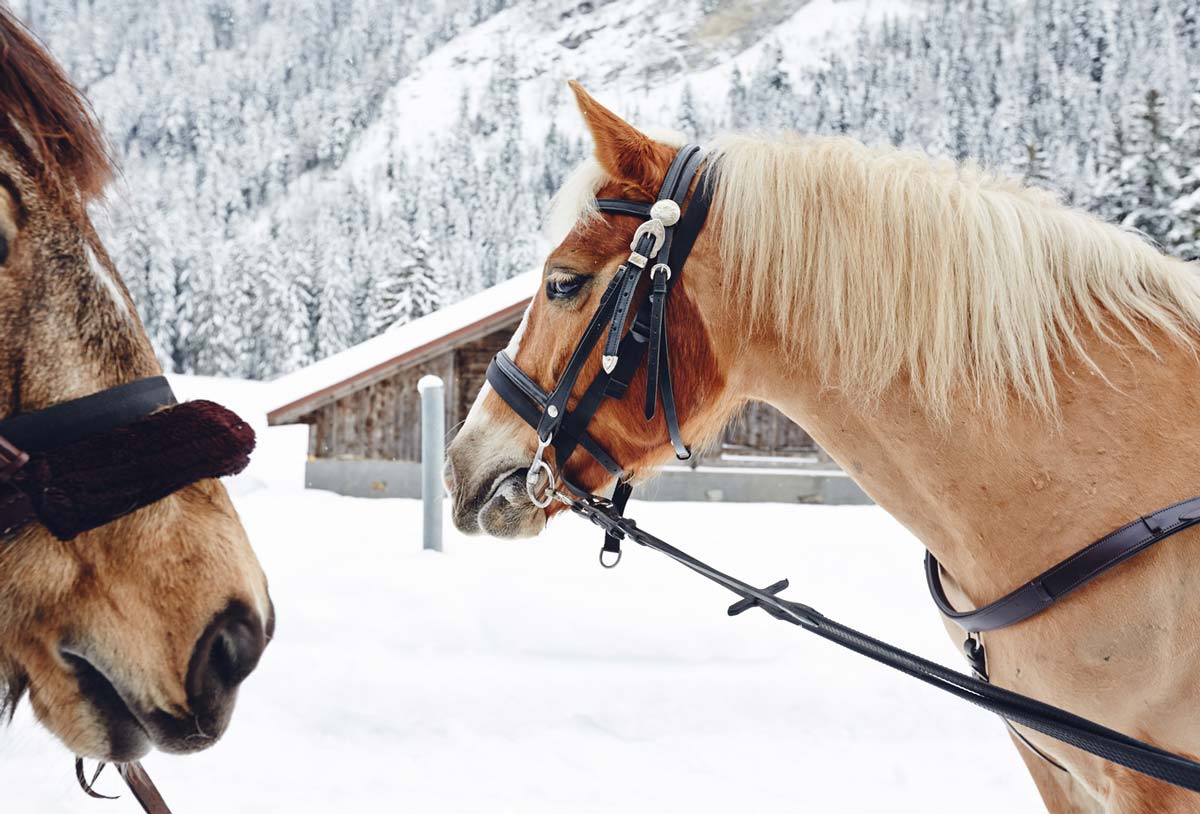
{"points": [[666, 211]]}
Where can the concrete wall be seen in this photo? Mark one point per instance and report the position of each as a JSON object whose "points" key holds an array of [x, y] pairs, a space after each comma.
{"points": [[729, 484]]}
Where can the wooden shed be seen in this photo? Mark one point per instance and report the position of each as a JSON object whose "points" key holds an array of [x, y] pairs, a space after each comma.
{"points": [[363, 409]]}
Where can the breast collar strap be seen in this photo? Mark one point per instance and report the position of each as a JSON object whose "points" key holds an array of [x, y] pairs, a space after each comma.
{"points": [[661, 244]]}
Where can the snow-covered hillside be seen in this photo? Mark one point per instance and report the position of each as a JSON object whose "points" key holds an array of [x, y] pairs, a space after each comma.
{"points": [[522, 677], [300, 176], [630, 54]]}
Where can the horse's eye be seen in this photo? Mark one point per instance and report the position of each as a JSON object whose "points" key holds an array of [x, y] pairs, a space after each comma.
{"points": [[3, 250], [563, 288]]}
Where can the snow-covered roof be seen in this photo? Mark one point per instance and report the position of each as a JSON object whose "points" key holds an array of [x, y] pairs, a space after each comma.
{"points": [[291, 395]]}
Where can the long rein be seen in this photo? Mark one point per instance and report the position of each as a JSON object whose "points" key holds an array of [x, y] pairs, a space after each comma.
{"points": [[1011, 706]]}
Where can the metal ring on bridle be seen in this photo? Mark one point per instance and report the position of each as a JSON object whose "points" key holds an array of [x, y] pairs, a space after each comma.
{"points": [[606, 564], [536, 467], [660, 267]]}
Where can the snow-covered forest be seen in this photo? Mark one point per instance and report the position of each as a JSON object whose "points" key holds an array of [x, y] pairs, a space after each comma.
{"points": [[300, 176]]}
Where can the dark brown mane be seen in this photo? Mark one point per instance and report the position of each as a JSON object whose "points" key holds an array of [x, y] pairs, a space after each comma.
{"points": [[45, 112]]}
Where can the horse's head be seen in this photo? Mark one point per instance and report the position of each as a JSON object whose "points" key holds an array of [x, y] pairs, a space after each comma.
{"points": [[135, 634], [488, 461]]}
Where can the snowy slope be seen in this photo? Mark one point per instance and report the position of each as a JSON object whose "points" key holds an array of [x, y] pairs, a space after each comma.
{"points": [[632, 54]]}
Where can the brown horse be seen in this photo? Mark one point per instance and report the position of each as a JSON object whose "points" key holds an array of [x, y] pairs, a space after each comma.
{"points": [[124, 638], [1010, 378]]}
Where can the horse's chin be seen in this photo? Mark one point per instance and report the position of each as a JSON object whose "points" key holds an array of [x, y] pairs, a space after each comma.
{"points": [[507, 512], [123, 731]]}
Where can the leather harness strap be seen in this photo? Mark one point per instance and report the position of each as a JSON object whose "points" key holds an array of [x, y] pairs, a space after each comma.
{"points": [[67, 423], [1044, 590], [1069, 575], [143, 788], [75, 420]]}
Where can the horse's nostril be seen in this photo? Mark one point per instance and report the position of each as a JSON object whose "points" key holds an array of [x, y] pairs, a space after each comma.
{"points": [[225, 654]]}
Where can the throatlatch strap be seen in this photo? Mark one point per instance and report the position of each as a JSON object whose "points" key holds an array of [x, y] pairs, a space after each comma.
{"points": [[682, 452]]}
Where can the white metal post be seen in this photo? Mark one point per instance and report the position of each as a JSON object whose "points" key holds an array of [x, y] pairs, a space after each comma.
{"points": [[433, 431]]}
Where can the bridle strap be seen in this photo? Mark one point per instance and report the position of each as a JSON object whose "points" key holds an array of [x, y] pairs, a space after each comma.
{"points": [[66, 423], [528, 400], [619, 206], [656, 242], [658, 366], [1069, 575], [556, 404], [100, 412]]}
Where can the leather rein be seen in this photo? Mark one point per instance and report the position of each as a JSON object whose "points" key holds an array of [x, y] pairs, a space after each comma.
{"points": [[84, 463], [665, 238]]}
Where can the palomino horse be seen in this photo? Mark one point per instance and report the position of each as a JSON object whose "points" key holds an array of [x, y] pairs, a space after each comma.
{"points": [[1010, 378], [133, 635]]}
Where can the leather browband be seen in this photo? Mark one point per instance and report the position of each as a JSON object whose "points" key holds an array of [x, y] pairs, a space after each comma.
{"points": [[619, 206], [1074, 572]]}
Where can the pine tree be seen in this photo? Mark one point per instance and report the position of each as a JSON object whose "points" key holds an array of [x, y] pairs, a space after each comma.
{"points": [[736, 101], [1033, 166], [407, 287], [1185, 233], [689, 118], [770, 92], [1147, 173]]}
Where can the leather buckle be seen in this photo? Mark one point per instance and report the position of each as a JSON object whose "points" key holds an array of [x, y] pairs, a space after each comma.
{"points": [[11, 459]]}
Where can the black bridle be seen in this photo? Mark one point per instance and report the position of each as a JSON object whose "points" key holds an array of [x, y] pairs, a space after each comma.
{"points": [[664, 234], [84, 463], [663, 242], [25, 435]]}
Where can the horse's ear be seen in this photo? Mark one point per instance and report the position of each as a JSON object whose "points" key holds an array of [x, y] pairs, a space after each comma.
{"points": [[623, 151]]}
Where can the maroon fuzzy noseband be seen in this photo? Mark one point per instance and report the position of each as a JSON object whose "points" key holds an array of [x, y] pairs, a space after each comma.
{"points": [[93, 481]]}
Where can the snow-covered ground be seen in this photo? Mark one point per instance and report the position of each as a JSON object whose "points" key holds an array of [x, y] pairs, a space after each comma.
{"points": [[522, 677]]}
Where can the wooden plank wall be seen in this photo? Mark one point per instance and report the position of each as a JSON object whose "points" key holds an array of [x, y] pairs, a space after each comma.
{"points": [[382, 420], [760, 428], [471, 363]]}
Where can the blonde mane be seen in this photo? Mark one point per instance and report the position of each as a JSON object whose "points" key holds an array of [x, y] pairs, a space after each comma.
{"points": [[886, 264]]}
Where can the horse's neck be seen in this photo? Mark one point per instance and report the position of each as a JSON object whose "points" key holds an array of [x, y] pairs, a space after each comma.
{"points": [[999, 502], [73, 333]]}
